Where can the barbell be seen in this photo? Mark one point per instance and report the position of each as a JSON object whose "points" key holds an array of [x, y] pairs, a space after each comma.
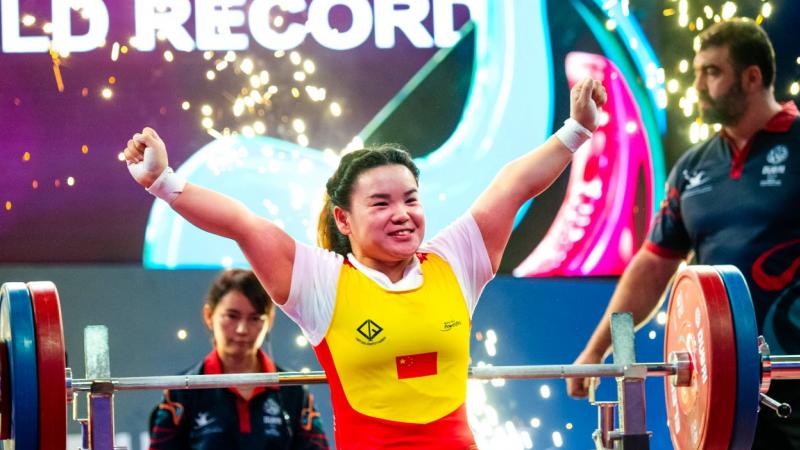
{"points": [[713, 354]]}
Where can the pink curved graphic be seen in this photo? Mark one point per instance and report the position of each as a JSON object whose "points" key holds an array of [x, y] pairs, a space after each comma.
{"points": [[595, 231]]}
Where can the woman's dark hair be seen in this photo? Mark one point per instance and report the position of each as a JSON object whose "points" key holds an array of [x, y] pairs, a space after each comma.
{"points": [[241, 280], [340, 187], [748, 45]]}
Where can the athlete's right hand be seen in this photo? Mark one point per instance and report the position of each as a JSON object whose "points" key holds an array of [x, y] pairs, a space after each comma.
{"points": [[579, 387], [146, 156]]}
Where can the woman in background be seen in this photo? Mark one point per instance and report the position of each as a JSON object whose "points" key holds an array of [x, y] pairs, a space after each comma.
{"points": [[239, 314]]}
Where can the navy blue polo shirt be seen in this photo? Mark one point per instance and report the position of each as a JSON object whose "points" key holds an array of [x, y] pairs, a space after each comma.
{"points": [[742, 207], [222, 419]]}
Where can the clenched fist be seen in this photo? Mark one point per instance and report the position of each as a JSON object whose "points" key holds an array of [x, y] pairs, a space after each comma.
{"points": [[146, 156]]}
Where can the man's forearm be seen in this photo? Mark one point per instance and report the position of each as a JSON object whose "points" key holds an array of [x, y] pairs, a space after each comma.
{"points": [[639, 292]]}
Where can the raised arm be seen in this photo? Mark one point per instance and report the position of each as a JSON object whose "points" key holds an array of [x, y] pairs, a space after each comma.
{"points": [[531, 174], [638, 292], [269, 249]]}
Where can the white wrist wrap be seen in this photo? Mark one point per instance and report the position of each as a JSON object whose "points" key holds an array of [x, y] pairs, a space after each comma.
{"points": [[573, 134], [167, 186]]}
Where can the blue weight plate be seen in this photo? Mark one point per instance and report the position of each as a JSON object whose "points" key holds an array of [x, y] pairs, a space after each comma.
{"points": [[748, 360], [17, 331]]}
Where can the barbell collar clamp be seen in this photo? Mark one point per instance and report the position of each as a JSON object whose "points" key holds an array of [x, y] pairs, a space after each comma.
{"points": [[68, 380], [766, 365], [682, 361]]}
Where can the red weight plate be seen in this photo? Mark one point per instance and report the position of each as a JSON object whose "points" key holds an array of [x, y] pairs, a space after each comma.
{"points": [[51, 362], [5, 393], [699, 321]]}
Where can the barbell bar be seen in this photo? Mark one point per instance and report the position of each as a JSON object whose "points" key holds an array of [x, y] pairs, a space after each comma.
{"points": [[319, 377], [785, 367]]}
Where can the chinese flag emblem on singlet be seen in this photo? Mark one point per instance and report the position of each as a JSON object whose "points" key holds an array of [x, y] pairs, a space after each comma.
{"points": [[419, 365]]}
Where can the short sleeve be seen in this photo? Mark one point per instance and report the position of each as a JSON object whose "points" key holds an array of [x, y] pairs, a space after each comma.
{"points": [[315, 275], [668, 236], [461, 245]]}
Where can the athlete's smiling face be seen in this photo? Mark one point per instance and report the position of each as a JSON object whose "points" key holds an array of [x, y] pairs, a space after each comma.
{"points": [[385, 222]]}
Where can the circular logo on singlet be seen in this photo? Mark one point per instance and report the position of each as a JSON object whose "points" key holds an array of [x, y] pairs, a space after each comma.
{"points": [[777, 154]]}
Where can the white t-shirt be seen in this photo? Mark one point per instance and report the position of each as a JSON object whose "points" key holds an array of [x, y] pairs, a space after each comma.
{"points": [[316, 274]]}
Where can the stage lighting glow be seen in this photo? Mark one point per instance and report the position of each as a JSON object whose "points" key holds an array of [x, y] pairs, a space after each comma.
{"points": [[558, 439], [694, 132], [693, 17], [728, 10], [766, 9], [672, 86], [544, 391]]}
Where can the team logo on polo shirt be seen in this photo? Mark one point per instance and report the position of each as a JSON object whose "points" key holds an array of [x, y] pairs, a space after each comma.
{"points": [[694, 178], [273, 417], [272, 407], [204, 424], [777, 154], [774, 169], [203, 420], [696, 182]]}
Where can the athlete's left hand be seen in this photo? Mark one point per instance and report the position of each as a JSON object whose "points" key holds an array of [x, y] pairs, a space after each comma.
{"points": [[586, 99]]}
